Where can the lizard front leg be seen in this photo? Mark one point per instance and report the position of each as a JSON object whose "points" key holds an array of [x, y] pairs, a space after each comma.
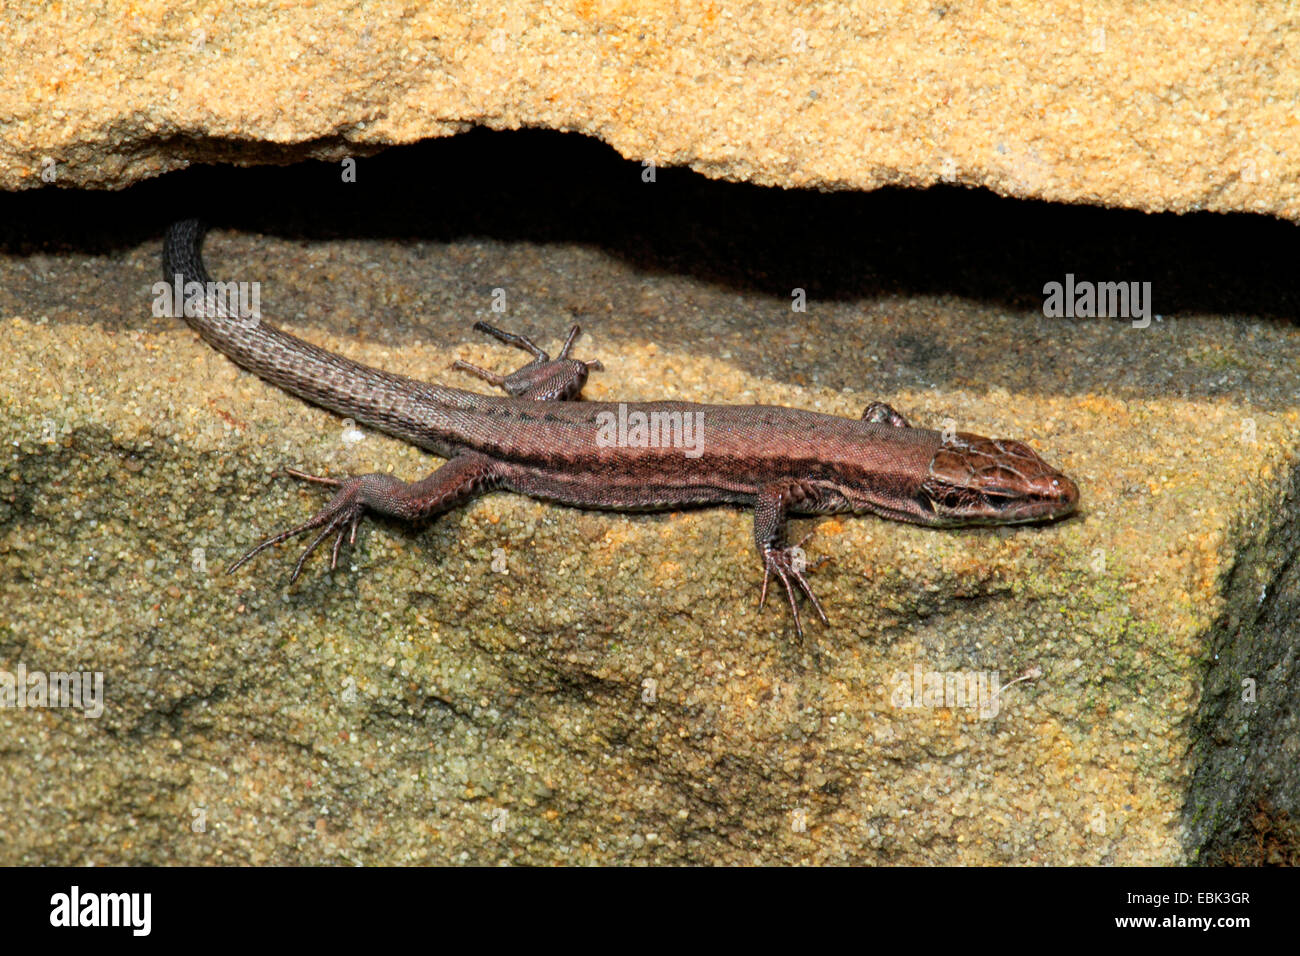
{"points": [[543, 379], [878, 413], [460, 479], [771, 507]]}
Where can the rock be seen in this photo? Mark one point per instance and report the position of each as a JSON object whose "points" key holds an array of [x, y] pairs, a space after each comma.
{"points": [[1151, 106], [616, 696]]}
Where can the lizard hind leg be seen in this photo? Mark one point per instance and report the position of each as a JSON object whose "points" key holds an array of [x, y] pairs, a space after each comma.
{"points": [[543, 379], [341, 515], [459, 480]]}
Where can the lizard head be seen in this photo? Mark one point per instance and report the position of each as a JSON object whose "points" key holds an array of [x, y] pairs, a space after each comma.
{"points": [[975, 480]]}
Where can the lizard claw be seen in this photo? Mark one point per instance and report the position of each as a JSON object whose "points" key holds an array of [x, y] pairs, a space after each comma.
{"points": [[340, 517], [787, 564]]}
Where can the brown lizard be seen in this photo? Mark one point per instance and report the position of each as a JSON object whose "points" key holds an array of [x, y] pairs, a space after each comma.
{"points": [[640, 456]]}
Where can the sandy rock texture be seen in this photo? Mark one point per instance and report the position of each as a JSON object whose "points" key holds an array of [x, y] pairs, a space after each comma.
{"points": [[1151, 105], [524, 682]]}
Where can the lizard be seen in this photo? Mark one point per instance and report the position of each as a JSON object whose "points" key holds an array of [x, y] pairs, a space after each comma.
{"points": [[543, 440]]}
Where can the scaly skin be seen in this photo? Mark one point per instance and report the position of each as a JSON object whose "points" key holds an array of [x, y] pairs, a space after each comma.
{"points": [[538, 441]]}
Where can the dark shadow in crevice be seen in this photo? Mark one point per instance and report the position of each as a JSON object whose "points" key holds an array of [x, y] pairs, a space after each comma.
{"points": [[541, 186]]}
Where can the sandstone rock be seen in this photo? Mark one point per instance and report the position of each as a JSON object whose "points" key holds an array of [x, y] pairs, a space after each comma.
{"points": [[1151, 105], [522, 682]]}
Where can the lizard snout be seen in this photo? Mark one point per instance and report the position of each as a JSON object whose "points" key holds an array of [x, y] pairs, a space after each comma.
{"points": [[977, 480]]}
